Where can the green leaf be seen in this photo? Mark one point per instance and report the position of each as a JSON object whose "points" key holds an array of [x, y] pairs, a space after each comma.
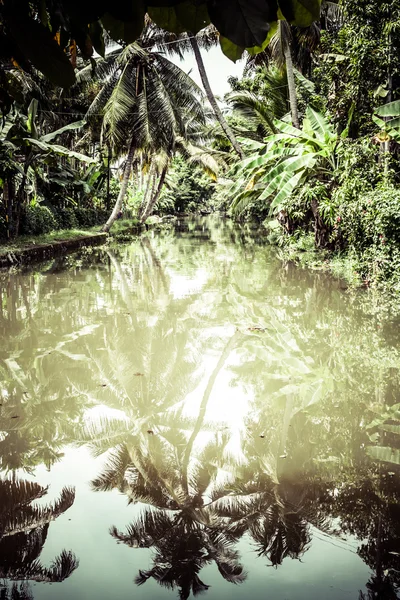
{"points": [[390, 428], [257, 49], [392, 109], [245, 24], [384, 454], [193, 16], [319, 123], [184, 17], [393, 123], [71, 126], [379, 122], [36, 43], [31, 122], [306, 83], [286, 190], [300, 12], [345, 132], [60, 150], [286, 167], [231, 50], [128, 30]]}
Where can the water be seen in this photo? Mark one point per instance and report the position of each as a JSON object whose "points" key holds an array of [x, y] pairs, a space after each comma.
{"points": [[183, 414]]}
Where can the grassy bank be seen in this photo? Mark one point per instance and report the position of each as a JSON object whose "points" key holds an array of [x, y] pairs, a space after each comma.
{"points": [[28, 248]]}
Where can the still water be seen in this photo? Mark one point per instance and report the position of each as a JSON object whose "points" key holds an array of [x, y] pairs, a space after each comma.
{"points": [[184, 413]]}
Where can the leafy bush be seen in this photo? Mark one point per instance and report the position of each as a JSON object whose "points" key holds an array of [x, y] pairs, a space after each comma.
{"points": [[66, 218], [37, 219], [88, 217]]}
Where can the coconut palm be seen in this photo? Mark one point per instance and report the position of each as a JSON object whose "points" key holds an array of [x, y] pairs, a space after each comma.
{"points": [[260, 111], [178, 44], [147, 103]]}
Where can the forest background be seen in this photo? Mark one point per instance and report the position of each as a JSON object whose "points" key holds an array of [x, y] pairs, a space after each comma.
{"points": [[306, 142]]}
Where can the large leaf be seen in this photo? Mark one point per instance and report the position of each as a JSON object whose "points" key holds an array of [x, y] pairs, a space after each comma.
{"points": [[230, 49], [392, 109], [300, 12], [31, 122], [50, 136], [384, 454], [38, 46], [186, 16], [306, 83], [246, 24], [320, 125], [60, 150], [288, 166], [285, 190], [124, 20]]}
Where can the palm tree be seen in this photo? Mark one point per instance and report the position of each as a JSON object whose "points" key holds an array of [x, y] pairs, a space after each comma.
{"points": [[260, 110], [164, 41], [147, 102]]}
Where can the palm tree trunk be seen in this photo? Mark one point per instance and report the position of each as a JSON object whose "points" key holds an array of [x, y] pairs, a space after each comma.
{"points": [[150, 182], [211, 98], [122, 191], [292, 87], [153, 200]]}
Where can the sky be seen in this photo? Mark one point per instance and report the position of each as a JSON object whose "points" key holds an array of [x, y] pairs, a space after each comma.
{"points": [[218, 68]]}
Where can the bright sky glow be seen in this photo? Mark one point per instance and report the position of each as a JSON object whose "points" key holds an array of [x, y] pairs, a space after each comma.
{"points": [[218, 68]]}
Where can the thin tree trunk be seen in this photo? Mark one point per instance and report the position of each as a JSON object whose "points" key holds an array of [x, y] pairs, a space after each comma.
{"points": [[149, 186], [292, 87], [153, 200], [211, 98], [108, 178], [140, 173], [122, 191]]}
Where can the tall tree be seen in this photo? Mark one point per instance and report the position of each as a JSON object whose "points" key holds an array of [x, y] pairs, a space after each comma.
{"points": [[147, 102], [154, 36]]}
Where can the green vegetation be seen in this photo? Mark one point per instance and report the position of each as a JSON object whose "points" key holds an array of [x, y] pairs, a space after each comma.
{"points": [[310, 145]]}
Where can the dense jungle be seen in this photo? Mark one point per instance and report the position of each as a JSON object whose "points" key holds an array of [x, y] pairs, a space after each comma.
{"points": [[208, 402]]}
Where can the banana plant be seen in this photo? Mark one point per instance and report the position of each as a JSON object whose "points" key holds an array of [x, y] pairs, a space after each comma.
{"points": [[387, 118], [28, 135], [285, 160]]}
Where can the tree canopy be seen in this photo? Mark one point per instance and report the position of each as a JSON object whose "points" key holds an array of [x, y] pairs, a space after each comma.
{"points": [[48, 34]]}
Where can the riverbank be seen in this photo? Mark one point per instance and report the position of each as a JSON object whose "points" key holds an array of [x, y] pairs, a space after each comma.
{"points": [[28, 249], [376, 273]]}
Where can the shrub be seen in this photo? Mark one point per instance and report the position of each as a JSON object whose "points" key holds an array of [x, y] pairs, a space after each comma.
{"points": [[88, 217], [66, 218], [37, 219]]}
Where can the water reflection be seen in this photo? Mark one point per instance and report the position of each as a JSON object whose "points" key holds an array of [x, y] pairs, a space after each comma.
{"points": [[234, 401], [24, 527]]}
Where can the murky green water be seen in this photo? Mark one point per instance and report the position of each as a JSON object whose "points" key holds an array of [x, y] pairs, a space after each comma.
{"points": [[185, 414]]}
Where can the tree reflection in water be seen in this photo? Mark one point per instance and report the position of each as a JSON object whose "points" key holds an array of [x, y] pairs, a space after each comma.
{"points": [[23, 532], [318, 450]]}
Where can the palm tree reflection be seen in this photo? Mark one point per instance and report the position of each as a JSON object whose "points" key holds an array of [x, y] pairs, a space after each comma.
{"points": [[183, 546], [23, 532]]}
